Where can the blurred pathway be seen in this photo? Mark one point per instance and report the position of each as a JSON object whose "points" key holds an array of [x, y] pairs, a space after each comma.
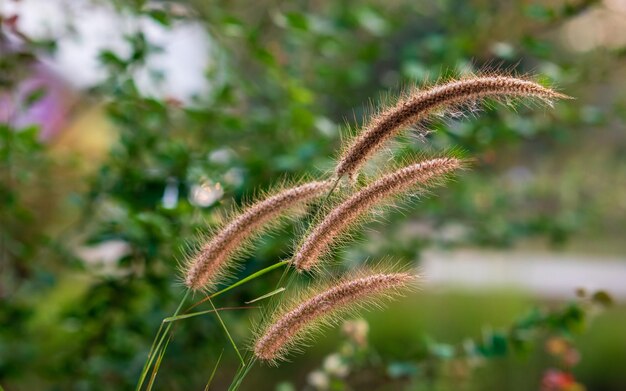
{"points": [[551, 275]]}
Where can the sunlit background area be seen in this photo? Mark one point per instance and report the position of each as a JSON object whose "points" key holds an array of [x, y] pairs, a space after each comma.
{"points": [[129, 128]]}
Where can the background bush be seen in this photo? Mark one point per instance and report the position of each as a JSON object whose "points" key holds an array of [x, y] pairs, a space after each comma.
{"points": [[287, 78]]}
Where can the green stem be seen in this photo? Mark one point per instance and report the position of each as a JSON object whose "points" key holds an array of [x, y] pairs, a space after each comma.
{"points": [[208, 385], [157, 364], [193, 314], [227, 333], [242, 281], [154, 350], [241, 374], [251, 277]]}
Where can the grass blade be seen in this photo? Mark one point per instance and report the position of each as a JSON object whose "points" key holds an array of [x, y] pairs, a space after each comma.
{"points": [[265, 296], [191, 315], [157, 364], [227, 333], [154, 349], [214, 371], [242, 281], [241, 374]]}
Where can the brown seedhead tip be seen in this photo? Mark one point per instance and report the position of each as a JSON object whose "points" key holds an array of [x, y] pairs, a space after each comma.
{"points": [[417, 105], [290, 327], [342, 217], [212, 261]]}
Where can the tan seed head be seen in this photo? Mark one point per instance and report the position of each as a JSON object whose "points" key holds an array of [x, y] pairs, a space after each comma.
{"points": [[210, 263], [419, 104]]}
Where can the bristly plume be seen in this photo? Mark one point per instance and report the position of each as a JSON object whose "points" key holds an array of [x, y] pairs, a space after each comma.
{"points": [[210, 263], [417, 105], [340, 219], [292, 325]]}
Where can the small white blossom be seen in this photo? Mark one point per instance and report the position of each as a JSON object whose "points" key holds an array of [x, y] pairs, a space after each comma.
{"points": [[319, 380], [335, 366]]}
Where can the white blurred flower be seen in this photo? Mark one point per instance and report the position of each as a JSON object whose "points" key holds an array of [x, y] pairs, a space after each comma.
{"points": [[205, 194], [170, 194], [326, 126], [103, 257], [503, 49], [335, 366], [221, 156], [319, 380], [234, 177]]}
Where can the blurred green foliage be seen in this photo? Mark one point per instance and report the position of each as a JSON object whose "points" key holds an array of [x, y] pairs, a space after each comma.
{"points": [[288, 76]]}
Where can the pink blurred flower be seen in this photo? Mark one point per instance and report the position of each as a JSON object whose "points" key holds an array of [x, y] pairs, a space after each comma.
{"points": [[557, 380], [49, 112]]}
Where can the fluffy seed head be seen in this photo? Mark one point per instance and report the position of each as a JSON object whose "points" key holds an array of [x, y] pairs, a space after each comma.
{"points": [[345, 214], [417, 105], [291, 326], [211, 261]]}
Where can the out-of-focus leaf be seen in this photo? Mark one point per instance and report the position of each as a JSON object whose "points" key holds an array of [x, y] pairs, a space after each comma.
{"points": [[297, 20], [35, 96], [603, 298], [160, 16]]}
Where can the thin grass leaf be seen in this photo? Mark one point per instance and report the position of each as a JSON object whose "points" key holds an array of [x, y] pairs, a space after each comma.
{"points": [[206, 388], [157, 364], [242, 281], [241, 374], [265, 296], [191, 315], [150, 354], [153, 349], [226, 331]]}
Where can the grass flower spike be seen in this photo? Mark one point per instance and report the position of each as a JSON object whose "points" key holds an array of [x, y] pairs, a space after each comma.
{"points": [[209, 264], [417, 105], [290, 327], [345, 214]]}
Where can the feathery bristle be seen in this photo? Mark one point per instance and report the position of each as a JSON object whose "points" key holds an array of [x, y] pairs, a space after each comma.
{"points": [[340, 218], [210, 263], [288, 328], [419, 104]]}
